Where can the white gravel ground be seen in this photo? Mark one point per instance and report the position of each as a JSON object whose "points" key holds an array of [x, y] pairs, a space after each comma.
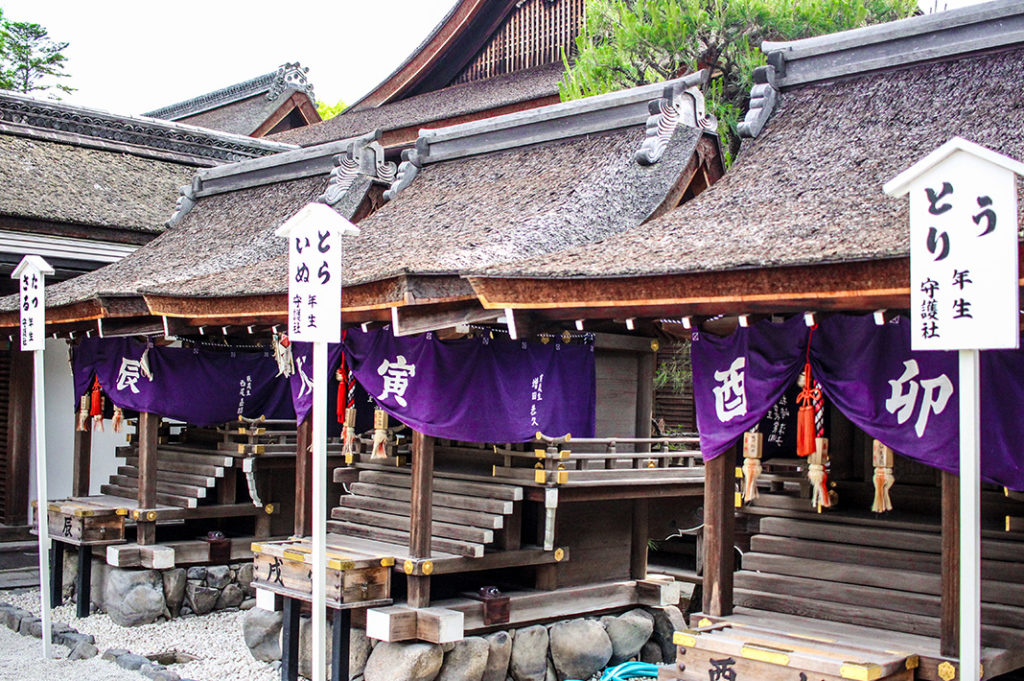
{"points": [[216, 639]]}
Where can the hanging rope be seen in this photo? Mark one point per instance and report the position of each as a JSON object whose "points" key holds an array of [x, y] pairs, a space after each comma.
{"points": [[753, 445], [283, 355], [380, 435], [810, 433], [96, 405], [346, 409], [882, 460]]}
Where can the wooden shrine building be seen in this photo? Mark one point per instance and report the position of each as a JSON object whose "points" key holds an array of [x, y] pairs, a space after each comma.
{"points": [[271, 103], [83, 188], [444, 515], [800, 225]]}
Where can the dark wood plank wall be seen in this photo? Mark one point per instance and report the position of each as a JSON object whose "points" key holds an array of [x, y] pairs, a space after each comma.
{"points": [[616, 393], [16, 401], [533, 35]]}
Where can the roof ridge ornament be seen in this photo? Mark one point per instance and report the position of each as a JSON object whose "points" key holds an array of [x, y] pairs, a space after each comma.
{"points": [[358, 160], [763, 98], [676, 105], [186, 201], [408, 169], [291, 75]]}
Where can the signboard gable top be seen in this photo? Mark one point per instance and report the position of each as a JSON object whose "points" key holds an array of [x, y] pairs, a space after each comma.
{"points": [[32, 263], [905, 181], [314, 216]]}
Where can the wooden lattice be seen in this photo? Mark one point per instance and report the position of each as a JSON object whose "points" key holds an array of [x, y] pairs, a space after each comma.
{"points": [[535, 34]]}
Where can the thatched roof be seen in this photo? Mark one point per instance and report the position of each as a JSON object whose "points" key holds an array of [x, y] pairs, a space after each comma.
{"points": [[65, 183], [808, 190], [440, 105], [485, 209]]}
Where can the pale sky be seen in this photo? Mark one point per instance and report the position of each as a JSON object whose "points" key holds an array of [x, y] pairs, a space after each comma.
{"points": [[130, 56]]}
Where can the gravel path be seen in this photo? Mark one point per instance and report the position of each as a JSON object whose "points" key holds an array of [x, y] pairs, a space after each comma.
{"points": [[216, 639]]}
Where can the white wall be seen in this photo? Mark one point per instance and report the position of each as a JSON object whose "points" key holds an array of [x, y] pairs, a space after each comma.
{"points": [[60, 428]]}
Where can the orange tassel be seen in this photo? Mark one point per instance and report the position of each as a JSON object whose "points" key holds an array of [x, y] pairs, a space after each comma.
{"points": [[805, 431]]}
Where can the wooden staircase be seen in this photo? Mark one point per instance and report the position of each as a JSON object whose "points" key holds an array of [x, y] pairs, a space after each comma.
{"points": [[874, 576], [467, 516]]}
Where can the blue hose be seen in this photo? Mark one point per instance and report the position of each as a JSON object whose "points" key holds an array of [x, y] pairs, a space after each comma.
{"points": [[629, 670]]}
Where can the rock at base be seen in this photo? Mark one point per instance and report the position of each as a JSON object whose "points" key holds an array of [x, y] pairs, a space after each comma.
{"points": [[262, 632], [231, 597], [579, 648], [406, 661], [131, 661], [628, 633], [529, 659], [667, 621], [499, 651], [201, 599], [218, 576], [174, 589], [134, 597], [651, 653], [83, 650], [466, 661]]}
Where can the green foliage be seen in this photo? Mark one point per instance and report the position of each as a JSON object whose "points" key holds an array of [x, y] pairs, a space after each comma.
{"points": [[675, 371], [29, 58], [327, 111], [625, 43]]}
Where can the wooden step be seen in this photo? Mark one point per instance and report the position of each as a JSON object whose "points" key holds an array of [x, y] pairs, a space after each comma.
{"points": [[867, 616], [181, 467], [487, 521], [882, 537], [193, 457], [881, 598], [442, 484], [877, 557], [467, 503], [848, 573], [170, 476], [402, 522], [161, 497], [161, 486], [467, 549]]}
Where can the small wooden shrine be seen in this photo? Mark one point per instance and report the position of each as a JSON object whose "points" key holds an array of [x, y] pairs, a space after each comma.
{"points": [[859, 581]]}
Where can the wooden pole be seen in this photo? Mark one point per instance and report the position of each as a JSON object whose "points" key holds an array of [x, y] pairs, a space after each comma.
{"points": [[149, 427], [970, 517], [303, 463], [319, 499], [83, 462], [421, 517], [719, 533], [39, 414], [949, 638]]}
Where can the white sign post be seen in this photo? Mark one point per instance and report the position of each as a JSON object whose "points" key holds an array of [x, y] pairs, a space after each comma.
{"points": [[964, 286], [314, 315], [31, 275]]}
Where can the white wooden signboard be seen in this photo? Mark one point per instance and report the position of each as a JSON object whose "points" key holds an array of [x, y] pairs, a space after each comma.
{"points": [[314, 315], [964, 289], [963, 248], [31, 274]]}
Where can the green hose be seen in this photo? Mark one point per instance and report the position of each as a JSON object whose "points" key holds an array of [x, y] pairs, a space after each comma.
{"points": [[629, 670]]}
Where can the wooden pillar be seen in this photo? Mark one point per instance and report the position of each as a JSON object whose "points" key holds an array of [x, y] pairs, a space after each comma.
{"points": [[83, 462], [949, 636], [19, 440], [56, 573], [303, 471], [719, 533], [149, 426], [83, 586], [341, 634], [644, 413], [290, 639], [421, 514]]}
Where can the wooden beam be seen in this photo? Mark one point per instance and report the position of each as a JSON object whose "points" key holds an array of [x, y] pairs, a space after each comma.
{"points": [[719, 533], [149, 426], [19, 433], [421, 507], [949, 638], [417, 319], [82, 462], [303, 475]]}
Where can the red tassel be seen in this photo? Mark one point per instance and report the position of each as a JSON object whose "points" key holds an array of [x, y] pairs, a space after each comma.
{"points": [[805, 430], [96, 401], [342, 392]]}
